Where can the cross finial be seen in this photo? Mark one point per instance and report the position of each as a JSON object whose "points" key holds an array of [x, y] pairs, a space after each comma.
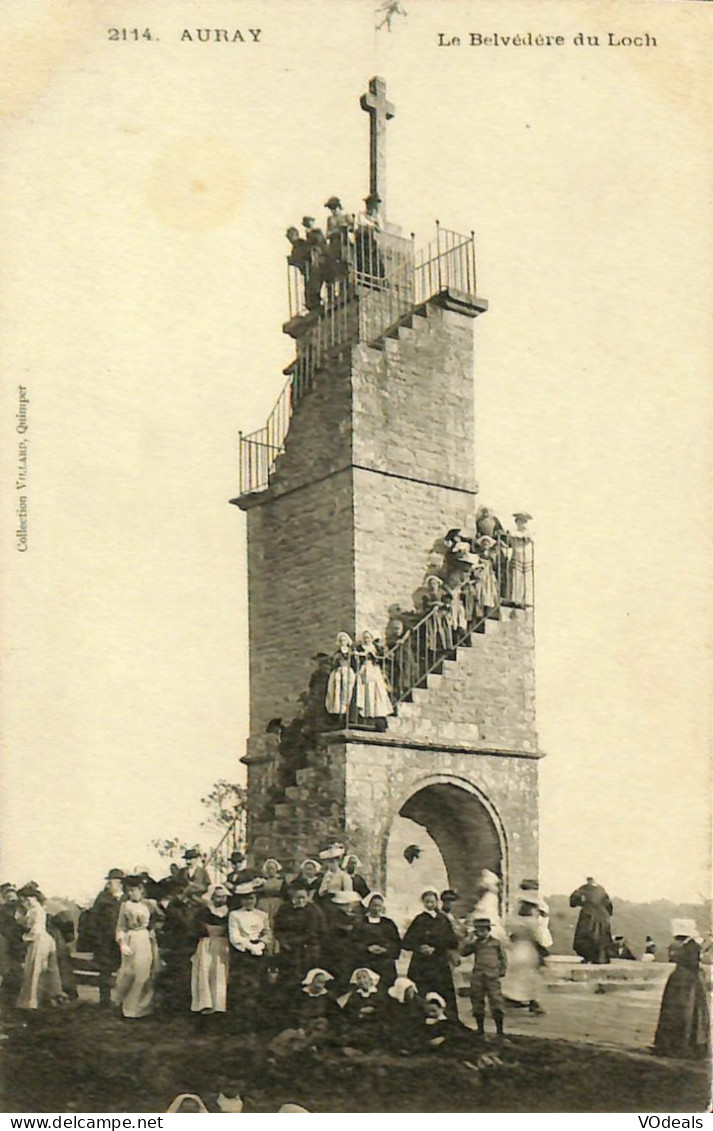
{"points": [[379, 111]]}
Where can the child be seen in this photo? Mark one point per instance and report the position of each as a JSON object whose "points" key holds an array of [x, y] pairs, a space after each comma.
{"points": [[489, 967]]}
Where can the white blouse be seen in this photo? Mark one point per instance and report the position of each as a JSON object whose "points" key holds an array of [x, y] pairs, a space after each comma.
{"points": [[249, 931]]}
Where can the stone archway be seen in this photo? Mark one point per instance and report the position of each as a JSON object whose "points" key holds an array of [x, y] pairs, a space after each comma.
{"points": [[465, 828]]}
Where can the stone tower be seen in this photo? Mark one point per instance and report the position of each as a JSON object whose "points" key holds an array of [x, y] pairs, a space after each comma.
{"points": [[365, 463]]}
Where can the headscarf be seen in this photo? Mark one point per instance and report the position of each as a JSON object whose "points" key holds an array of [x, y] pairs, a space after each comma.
{"points": [[346, 859], [271, 860], [427, 910], [366, 901], [398, 990], [374, 980], [175, 1105], [311, 860], [312, 974], [293, 1108], [441, 1003], [687, 927], [208, 898]]}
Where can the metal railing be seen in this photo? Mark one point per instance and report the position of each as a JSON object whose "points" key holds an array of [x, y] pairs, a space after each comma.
{"points": [[218, 859], [435, 636], [383, 280]]}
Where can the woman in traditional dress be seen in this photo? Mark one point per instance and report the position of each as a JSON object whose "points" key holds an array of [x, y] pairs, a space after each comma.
{"points": [[340, 939], [363, 1009], [486, 587], [373, 700], [318, 1008], [308, 878], [523, 984], [342, 678], [41, 982], [430, 937], [249, 934], [684, 1022], [211, 961], [403, 1016], [377, 942], [488, 903], [521, 555], [439, 630], [269, 896], [139, 954], [333, 878], [352, 865]]}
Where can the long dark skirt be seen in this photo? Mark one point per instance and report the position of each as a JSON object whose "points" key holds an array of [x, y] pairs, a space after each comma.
{"points": [[684, 1024], [245, 990], [432, 974]]}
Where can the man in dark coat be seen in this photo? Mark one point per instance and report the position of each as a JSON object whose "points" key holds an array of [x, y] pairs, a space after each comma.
{"points": [[592, 937], [177, 941], [194, 874], [105, 913], [12, 946]]}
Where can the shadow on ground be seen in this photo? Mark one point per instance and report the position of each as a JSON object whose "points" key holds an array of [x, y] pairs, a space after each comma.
{"points": [[84, 1060]]}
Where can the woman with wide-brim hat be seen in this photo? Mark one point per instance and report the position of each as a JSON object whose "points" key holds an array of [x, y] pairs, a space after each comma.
{"points": [[139, 954], [41, 984], [250, 939], [485, 587]]}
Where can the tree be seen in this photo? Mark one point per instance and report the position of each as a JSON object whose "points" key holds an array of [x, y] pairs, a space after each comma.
{"points": [[226, 814]]}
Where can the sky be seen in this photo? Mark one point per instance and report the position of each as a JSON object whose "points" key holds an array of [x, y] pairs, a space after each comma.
{"points": [[146, 190]]}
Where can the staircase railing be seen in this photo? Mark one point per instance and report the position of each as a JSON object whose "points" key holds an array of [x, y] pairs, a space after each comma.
{"points": [[384, 281], [218, 859], [422, 648]]}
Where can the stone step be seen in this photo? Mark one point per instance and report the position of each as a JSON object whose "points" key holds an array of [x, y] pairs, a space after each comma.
{"points": [[307, 776], [409, 711], [607, 987], [557, 968], [419, 695]]}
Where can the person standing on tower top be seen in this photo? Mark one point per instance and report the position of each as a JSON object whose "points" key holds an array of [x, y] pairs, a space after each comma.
{"points": [[520, 550], [339, 225], [369, 260]]}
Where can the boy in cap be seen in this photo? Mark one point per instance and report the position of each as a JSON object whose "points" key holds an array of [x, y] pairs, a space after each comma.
{"points": [[489, 967]]}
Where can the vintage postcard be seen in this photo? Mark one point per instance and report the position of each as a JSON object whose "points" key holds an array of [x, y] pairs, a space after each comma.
{"points": [[356, 548]]}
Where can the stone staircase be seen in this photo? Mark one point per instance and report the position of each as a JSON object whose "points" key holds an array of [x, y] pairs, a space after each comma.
{"points": [[472, 698]]}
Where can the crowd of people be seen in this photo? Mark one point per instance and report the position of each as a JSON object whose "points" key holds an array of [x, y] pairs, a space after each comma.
{"points": [[314, 960], [476, 575], [350, 244], [309, 960]]}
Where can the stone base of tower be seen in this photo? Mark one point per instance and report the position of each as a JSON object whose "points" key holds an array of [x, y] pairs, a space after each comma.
{"points": [[459, 759], [480, 807]]}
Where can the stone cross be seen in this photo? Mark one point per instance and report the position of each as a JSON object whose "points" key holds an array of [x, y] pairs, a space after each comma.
{"points": [[379, 111]]}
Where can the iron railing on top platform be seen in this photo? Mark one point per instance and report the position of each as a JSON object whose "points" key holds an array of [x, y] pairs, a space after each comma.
{"points": [[421, 650], [383, 283]]}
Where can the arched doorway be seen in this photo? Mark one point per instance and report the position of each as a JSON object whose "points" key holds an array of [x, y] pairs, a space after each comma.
{"points": [[461, 834]]}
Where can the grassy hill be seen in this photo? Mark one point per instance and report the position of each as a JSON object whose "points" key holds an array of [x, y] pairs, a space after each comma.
{"points": [[633, 920]]}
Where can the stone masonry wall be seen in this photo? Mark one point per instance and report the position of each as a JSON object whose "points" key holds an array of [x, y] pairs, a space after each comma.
{"points": [[380, 778], [485, 697], [413, 401], [301, 569], [413, 419]]}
